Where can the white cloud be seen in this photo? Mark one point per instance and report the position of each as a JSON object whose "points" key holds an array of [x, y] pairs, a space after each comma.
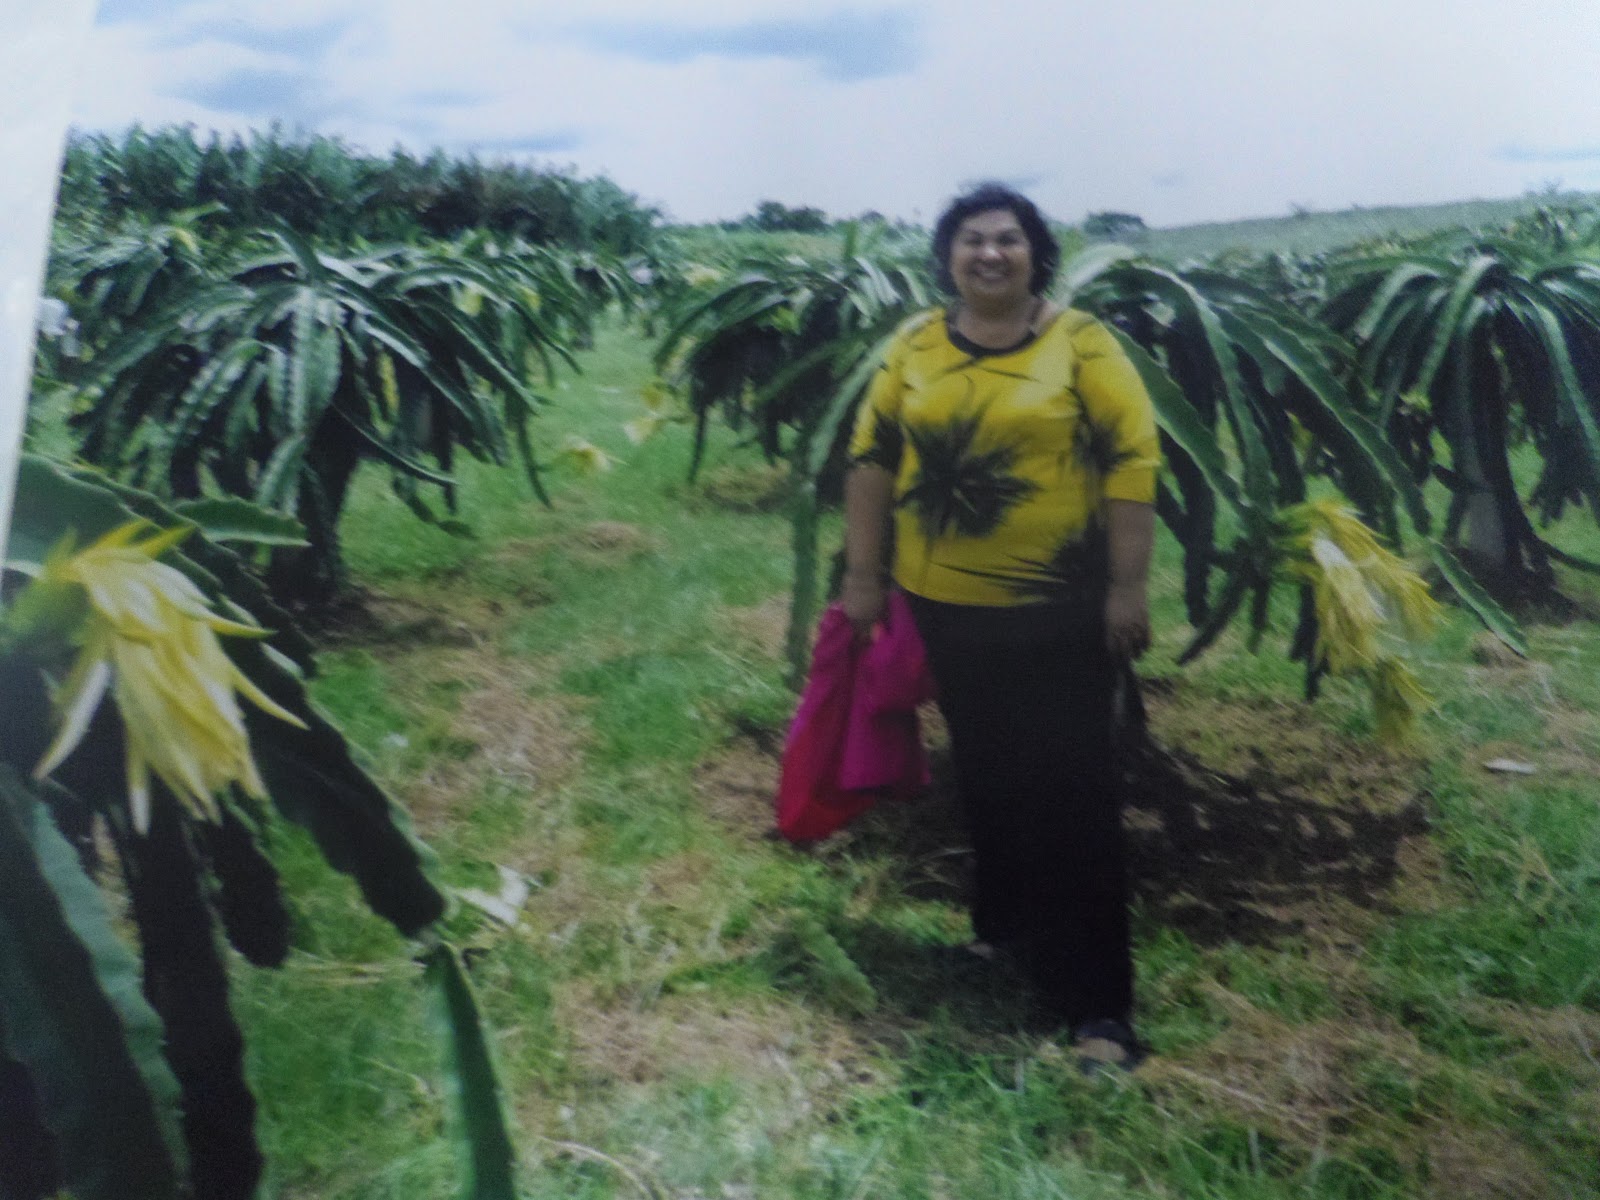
{"points": [[128, 76], [1249, 108]]}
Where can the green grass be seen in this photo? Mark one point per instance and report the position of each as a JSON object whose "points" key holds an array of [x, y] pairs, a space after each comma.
{"points": [[690, 1010]]}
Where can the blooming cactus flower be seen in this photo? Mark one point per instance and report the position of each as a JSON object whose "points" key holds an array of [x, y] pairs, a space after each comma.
{"points": [[1366, 599], [585, 455], [150, 639]]}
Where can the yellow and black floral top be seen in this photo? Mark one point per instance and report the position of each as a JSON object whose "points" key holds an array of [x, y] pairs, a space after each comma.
{"points": [[1002, 460]]}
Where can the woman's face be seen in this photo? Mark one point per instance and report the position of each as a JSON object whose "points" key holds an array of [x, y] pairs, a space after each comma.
{"points": [[991, 260]]}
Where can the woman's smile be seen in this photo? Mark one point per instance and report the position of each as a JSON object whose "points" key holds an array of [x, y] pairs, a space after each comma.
{"points": [[991, 260]]}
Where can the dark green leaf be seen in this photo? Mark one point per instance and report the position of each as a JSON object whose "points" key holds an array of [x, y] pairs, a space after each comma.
{"points": [[1547, 327], [1235, 587], [314, 782], [186, 982], [234, 520], [843, 404], [388, 454], [1089, 265], [249, 896], [1452, 327], [480, 1109], [1340, 418], [278, 485], [49, 503], [1181, 422], [1394, 283], [211, 386], [74, 1016], [1482, 605]]}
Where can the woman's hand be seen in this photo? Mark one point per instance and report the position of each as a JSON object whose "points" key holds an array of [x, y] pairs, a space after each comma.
{"points": [[1127, 621], [865, 598]]}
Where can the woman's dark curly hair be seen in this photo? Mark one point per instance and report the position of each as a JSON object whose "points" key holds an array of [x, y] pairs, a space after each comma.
{"points": [[986, 197]]}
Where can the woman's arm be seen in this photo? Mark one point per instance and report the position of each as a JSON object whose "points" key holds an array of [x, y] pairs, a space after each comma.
{"points": [[1130, 531], [875, 449], [1115, 400], [868, 491]]}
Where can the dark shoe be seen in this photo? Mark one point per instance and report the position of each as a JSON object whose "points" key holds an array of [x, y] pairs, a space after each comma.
{"points": [[1106, 1046]]}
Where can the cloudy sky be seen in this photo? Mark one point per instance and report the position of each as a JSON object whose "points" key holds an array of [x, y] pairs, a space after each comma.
{"points": [[1178, 110]]}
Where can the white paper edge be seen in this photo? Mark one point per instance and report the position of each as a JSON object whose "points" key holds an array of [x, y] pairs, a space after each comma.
{"points": [[41, 54]]}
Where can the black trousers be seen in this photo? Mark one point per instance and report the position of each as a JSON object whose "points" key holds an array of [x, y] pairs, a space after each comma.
{"points": [[1027, 694]]}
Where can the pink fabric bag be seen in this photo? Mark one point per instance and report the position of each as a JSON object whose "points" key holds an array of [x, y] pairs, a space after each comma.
{"points": [[855, 734]]}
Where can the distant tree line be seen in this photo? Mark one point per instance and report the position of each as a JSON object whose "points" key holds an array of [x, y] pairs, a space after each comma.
{"points": [[324, 189], [1112, 226], [772, 216]]}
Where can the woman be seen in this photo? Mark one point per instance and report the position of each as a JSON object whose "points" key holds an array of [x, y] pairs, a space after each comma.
{"points": [[1004, 464]]}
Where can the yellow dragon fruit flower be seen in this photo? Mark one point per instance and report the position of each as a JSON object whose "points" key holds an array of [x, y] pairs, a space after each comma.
{"points": [[1397, 587], [1397, 698], [585, 455], [1348, 615], [657, 398], [642, 429], [1361, 590], [150, 639]]}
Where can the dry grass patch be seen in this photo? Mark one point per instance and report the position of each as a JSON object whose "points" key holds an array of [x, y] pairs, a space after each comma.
{"points": [[609, 543], [1422, 882], [765, 487], [735, 789], [1489, 651], [1253, 821], [1296, 1082], [479, 707], [500, 732], [1567, 748], [1484, 1164], [1355, 1082], [763, 627], [516, 551], [1280, 745], [1566, 745], [598, 544], [560, 908], [818, 1058], [680, 880], [1567, 1034], [1572, 738], [379, 620], [1524, 683]]}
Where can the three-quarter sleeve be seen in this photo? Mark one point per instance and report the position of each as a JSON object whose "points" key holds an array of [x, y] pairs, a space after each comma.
{"points": [[1118, 406], [878, 439]]}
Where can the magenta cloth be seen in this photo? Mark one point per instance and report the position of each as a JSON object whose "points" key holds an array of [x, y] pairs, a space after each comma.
{"points": [[855, 735]]}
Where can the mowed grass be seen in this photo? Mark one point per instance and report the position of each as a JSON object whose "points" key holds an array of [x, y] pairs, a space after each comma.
{"points": [[1395, 993]]}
